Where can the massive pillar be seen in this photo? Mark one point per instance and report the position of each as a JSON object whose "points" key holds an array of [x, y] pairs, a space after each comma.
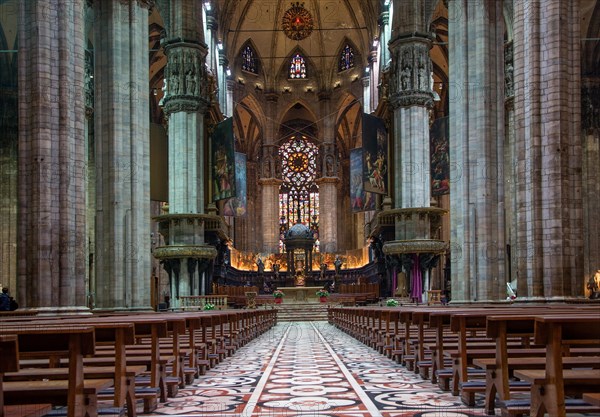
{"points": [[411, 97], [591, 175], [186, 255], [270, 179], [52, 247], [9, 138], [122, 130], [549, 151], [476, 36], [329, 181]]}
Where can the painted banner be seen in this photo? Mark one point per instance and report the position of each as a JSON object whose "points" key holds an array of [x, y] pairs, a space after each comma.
{"points": [[360, 200], [440, 158], [223, 164], [375, 156], [238, 205]]}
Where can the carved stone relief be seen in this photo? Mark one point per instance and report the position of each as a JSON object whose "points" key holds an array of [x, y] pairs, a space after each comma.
{"points": [[410, 77]]}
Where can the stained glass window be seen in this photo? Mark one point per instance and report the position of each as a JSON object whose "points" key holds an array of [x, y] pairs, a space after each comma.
{"points": [[298, 68], [249, 60], [346, 58], [299, 194]]}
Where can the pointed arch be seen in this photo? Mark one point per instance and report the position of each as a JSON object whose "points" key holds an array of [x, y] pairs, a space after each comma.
{"points": [[298, 116], [311, 73], [348, 123], [248, 59], [348, 55], [297, 68], [248, 126], [334, 62]]}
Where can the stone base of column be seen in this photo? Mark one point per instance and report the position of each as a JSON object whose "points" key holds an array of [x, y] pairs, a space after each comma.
{"points": [[121, 310], [53, 311]]}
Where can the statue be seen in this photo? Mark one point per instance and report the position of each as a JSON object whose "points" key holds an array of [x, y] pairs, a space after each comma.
{"points": [[260, 265], [323, 269], [594, 285], [338, 265]]}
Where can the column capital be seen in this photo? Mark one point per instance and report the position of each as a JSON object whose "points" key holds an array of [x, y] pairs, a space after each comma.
{"points": [[410, 75], [271, 96], [147, 4], [324, 95], [211, 22], [384, 18], [186, 83]]}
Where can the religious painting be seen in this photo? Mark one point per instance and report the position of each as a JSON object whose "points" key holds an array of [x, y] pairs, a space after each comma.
{"points": [[223, 161], [238, 205], [375, 154], [440, 158], [360, 199]]}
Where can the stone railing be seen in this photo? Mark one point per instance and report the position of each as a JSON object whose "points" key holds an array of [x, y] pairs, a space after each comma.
{"points": [[197, 302]]}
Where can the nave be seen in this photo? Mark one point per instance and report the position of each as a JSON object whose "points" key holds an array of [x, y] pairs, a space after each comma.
{"points": [[311, 369]]}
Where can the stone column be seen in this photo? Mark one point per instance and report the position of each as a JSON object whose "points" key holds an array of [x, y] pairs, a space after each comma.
{"points": [[52, 164], [122, 129], [591, 175], [477, 152], [187, 97], [329, 178], [549, 151], [411, 98], [9, 134], [384, 36], [510, 152], [270, 178]]}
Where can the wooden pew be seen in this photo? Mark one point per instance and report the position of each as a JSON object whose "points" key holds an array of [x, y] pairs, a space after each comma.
{"points": [[78, 393], [549, 386], [9, 352]]}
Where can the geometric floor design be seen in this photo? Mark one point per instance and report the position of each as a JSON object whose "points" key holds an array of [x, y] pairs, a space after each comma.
{"points": [[311, 369]]}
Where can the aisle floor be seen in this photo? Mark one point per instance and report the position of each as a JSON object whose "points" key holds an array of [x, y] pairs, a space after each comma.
{"points": [[311, 369]]}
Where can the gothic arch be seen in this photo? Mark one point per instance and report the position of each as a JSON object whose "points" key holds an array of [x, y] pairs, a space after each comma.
{"points": [[591, 46], [358, 61], [348, 124], [313, 75], [249, 121], [259, 63], [298, 110]]}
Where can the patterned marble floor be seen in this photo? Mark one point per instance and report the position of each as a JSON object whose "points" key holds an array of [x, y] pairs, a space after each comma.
{"points": [[313, 370]]}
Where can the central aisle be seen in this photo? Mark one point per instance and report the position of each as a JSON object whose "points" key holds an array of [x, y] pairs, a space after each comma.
{"points": [[311, 369]]}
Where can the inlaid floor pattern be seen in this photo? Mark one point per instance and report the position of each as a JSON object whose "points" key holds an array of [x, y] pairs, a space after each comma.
{"points": [[311, 369]]}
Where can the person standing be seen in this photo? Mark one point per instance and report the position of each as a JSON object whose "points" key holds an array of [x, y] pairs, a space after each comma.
{"points": [[4, 300]]}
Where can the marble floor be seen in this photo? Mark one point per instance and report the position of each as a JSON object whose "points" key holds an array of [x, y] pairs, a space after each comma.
{"points": [[311, 369]]}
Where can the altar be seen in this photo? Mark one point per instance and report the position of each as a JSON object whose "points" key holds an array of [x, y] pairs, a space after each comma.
{"points": [[300, 294]]}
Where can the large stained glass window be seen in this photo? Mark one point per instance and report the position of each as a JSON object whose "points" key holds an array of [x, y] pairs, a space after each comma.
{"points": [[299, 194], [298, 68], [249, 60], [346, 58]]}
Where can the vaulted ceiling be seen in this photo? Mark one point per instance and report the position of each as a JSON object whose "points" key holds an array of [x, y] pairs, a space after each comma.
{"points": [[335, 22]]}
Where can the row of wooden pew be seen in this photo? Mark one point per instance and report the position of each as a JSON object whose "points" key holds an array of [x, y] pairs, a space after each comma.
{"points": [[548, 355], [75, 361]]}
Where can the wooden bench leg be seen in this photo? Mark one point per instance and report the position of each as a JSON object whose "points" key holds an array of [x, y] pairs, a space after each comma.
{"points": [[490, 398]]}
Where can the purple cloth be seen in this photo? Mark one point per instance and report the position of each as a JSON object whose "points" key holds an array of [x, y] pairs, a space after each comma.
{"points": [[416, 281]]}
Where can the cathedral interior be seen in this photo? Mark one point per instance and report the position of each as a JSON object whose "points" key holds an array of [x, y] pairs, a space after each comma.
{"points": [[156, 149]]}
